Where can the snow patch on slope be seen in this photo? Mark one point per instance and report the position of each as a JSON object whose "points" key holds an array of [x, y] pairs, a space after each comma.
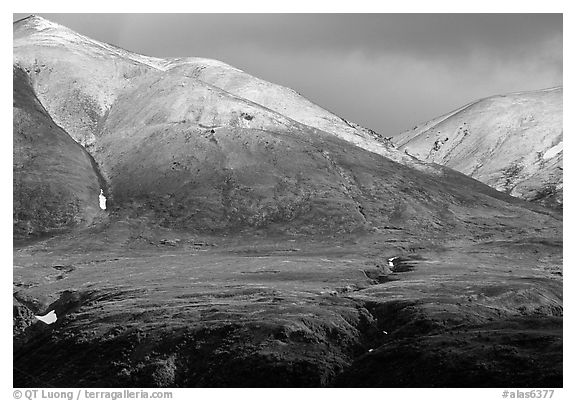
{"points": [[553, 151], [49, 318], [102, 200]]}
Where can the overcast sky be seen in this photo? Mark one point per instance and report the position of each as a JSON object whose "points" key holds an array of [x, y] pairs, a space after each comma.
{"points": [[387, 72]]}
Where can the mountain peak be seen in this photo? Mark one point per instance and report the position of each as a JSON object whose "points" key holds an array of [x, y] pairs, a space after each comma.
{"points": [[36, 23]]}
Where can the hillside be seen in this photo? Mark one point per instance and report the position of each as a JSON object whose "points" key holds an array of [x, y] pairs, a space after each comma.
{"points": [[512, 143]]}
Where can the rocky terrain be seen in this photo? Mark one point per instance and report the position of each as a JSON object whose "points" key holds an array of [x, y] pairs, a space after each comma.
{"points": [[512, 143], [253, 238]]}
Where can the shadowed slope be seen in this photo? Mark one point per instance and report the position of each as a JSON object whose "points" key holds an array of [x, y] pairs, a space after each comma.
{"points": [[55, 184]]}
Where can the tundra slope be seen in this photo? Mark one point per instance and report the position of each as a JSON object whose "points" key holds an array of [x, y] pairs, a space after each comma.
{"points": [[194, 143], [245, 247], [512, 143], [55, 180]]}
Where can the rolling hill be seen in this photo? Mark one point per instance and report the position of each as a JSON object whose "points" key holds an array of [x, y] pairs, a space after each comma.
{"points": [[512, 143]]}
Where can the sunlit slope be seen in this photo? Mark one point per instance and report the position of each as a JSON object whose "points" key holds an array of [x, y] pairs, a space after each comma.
{"points": [[513, 143]]}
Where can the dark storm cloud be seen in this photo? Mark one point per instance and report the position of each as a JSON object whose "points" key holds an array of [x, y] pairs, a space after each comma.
{"points": [[384, 71]]}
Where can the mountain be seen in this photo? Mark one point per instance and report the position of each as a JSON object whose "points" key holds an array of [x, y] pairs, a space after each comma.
{"points": [[512, 143]]}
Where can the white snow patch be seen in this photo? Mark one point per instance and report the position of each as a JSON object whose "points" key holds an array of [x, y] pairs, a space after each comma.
{"points": [[553, 151], [102, 200], [48, 318]]}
